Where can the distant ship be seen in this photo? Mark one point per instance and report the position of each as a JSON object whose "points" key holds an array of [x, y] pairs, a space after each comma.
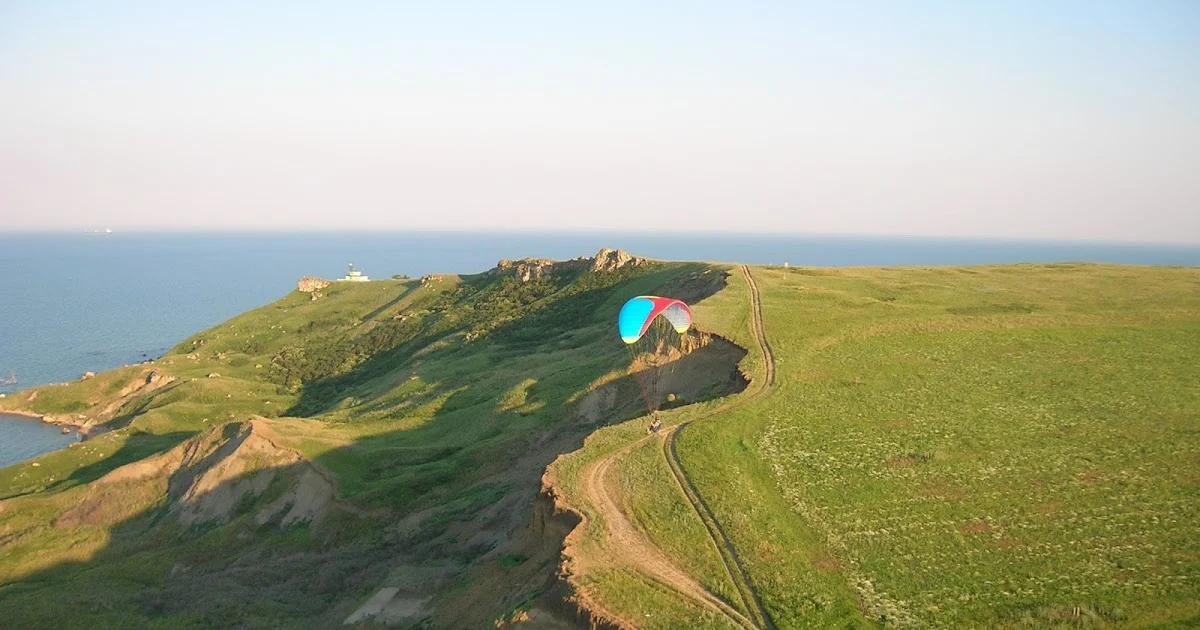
{"points": [[99, 231]]}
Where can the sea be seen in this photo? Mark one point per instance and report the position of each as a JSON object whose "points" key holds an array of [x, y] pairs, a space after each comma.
{"points": [[77, 302]]}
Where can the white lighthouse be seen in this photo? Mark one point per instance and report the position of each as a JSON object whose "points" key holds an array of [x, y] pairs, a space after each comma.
{"points": [[354, 275]]}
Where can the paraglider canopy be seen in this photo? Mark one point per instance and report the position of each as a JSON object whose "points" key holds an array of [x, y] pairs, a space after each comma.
{"points": [[638, 314], [653, 329]]}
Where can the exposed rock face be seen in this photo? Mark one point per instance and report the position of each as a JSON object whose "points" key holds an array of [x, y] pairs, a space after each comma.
{"points": [[310, 284], [208, 485], [59, 418], [613, 259], [87, 375], [525, 269], [207, 478], [532, 269]]}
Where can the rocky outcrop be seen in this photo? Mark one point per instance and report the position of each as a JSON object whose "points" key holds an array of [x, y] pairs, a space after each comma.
{"points": [[529, 269], [613, 259], [533, 269], [312, 286]]}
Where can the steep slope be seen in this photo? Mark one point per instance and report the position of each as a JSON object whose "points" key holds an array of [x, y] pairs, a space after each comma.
{"points": [[207, 478], [370, 452]]}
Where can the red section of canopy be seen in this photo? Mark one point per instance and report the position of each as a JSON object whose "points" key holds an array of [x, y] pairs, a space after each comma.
{"points": [[661, 304]]}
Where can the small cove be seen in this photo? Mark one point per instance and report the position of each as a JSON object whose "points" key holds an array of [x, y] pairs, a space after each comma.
{"points": [[23, 438]]}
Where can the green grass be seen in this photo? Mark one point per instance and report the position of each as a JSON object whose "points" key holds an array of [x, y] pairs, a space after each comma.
{"points": [[993, 446], [1006, 446], [984, 447], [649, 604], [809, 596], [663, 513]]}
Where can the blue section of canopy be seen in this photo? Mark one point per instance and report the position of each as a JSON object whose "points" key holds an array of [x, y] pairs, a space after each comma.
{"points": [[632, 319]]}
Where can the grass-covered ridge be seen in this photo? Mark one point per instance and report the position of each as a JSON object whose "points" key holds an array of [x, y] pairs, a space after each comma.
{"points": [[999, 446], [431, 405]]}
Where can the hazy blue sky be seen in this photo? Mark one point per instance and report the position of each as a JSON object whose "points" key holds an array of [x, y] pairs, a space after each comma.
{"points": [[1051, 118]]}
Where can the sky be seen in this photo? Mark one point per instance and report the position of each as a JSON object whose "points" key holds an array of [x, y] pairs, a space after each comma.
{"points": [[1060, 120]]}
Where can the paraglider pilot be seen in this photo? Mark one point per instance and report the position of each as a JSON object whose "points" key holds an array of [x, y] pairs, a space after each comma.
{"points": [[636, 324]]}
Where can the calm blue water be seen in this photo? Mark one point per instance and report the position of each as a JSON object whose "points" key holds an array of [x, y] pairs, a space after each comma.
{"points": [[71, 303], [23, 438]]}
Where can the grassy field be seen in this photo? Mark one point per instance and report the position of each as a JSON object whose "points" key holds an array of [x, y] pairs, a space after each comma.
{"points": [[1010, 446], [995, 446]]}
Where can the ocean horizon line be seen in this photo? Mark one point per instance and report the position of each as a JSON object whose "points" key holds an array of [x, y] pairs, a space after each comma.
{"points": [[593, 233]]}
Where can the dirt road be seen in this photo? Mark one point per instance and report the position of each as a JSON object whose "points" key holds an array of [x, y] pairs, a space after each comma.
{"points": [[634, 548]]}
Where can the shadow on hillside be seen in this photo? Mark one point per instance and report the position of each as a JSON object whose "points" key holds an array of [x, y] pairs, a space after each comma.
{"points": [[137, 447], [408, 289], [447, 512], [537, 331], [456, 511]]}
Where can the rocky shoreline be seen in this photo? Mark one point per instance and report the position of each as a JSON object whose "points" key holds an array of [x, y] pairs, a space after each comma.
{"points": [[62, 420], [100, 413]]}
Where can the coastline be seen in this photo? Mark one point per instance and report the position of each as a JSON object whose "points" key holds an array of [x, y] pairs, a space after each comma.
{"points": [[95, 422], [61, 420], [18, 412]]}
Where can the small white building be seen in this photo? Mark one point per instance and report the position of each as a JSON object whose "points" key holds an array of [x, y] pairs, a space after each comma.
{"points": [[354, 275]]}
